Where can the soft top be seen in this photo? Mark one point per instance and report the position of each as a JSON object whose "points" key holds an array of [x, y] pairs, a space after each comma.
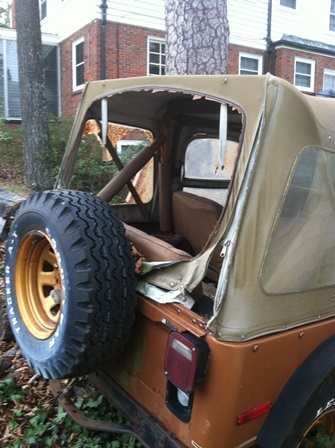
{"points": [[279, 124]]}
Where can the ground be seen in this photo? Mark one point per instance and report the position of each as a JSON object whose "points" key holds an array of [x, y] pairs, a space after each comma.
{"points": [[12, 365]]}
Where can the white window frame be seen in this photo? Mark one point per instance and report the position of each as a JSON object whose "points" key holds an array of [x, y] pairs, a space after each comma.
{"points": [[257, 57], [43, 5], [310, 62], [331, 15], [160, 65], [75, 43], [328, 72], [125, 143]]}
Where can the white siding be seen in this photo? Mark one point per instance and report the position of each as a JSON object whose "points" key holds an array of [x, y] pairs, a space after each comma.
{"points": [[310, 21], [68, 16], [247, 18], [248, 22], [146, 13]]}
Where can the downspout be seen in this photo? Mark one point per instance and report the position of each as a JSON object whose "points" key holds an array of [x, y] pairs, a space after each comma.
{"points": [[103, 7], [269, 61]]}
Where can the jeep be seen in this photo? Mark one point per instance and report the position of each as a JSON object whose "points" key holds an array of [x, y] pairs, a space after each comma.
{"points": [[193, 279]]}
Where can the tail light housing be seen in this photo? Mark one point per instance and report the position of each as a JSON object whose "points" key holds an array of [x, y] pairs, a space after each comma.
{"points": [[185, 363]]}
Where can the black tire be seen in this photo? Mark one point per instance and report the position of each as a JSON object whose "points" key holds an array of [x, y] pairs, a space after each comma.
{"points": [[318, 412], [70, 283]]}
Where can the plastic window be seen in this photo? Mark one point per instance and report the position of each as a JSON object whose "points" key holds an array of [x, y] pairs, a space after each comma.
{"points": [[301, 253]]}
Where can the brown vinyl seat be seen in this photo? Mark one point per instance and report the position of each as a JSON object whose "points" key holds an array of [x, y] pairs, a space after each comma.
{"points": [[195, 217]]}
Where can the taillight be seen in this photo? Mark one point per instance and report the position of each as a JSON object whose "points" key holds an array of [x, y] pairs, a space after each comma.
{"points": [[185, 363]]}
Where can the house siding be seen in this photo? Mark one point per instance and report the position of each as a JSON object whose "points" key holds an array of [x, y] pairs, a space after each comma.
{"points": [[141, 13], [130, 23], [310, 20], [248, 22]]}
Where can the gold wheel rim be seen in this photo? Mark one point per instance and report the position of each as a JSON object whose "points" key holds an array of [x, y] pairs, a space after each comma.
{"points": [[38, 284], [325, 420]]}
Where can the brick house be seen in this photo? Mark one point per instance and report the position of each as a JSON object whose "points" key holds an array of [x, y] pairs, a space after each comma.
{"points": [[124, 38]]}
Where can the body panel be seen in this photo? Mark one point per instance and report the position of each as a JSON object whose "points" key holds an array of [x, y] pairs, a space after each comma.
{"points": [[240, 376]]}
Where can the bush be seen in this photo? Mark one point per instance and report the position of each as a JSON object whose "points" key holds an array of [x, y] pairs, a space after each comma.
{"points": [[90, 172]]}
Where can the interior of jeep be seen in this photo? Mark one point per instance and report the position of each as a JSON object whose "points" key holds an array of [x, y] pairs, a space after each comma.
{"points": [[170, 183]]}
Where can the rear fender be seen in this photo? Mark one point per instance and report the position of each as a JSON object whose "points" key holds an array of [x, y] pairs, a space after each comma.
{"points": [[295, 394]]}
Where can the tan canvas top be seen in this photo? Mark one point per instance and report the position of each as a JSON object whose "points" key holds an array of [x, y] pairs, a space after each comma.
{"points": [[258, 291]]}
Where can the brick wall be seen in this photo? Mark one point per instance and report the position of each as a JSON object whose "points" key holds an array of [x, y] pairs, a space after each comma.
{"points": [[285, 63], [126, 56]]}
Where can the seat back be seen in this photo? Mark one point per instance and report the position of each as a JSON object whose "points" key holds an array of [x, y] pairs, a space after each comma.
{"points": [[195, 218]]}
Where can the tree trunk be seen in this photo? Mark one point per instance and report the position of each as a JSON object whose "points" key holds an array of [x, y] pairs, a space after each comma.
{"points": [[34, 111], [197, 36]]}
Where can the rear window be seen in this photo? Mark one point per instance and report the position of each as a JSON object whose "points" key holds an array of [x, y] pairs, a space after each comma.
{"points": [[203, 174]]}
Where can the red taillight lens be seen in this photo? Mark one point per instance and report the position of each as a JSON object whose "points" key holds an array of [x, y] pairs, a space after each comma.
{"points": [[253, 413], [186, 359]]}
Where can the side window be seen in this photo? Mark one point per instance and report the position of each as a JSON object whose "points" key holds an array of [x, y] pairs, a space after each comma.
{"points": [[304, 74], [301, 253], [329, 79], [95, 166], [203, 175], [43, 9], [78, 64], [250, 64], [288, 3], [156, 56], [332, 16]]}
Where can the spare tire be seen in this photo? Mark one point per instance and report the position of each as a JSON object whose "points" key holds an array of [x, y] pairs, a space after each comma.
{"points": [[70, 283]]}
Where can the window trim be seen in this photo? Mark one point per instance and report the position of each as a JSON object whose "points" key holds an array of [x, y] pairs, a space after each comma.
{"points": [[159, 40], [311, 62], [258, 57], [75, 43]]}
